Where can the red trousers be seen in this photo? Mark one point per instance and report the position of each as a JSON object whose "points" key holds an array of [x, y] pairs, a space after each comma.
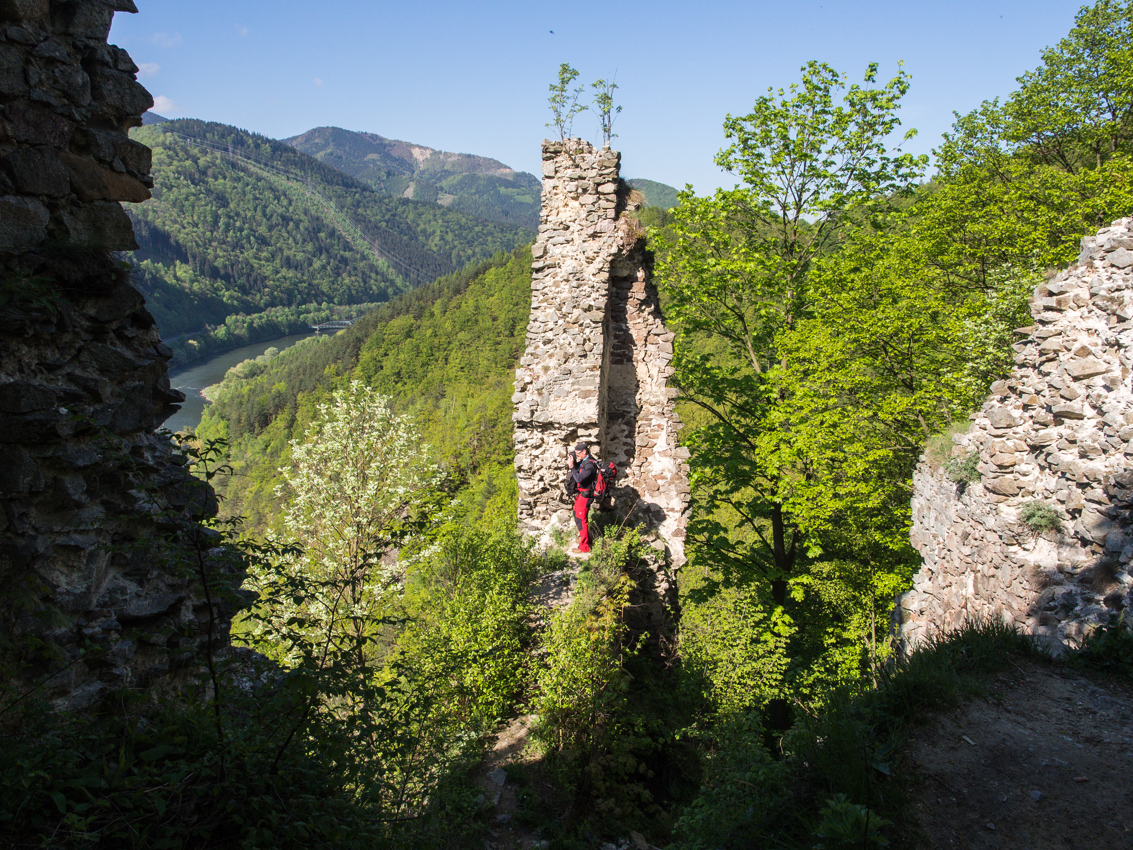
{"points": [[581, 514]]}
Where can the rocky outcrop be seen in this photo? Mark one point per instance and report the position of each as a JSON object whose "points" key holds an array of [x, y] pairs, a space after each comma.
{"points": [[597, 357], [100, 555], [1057, 433]]}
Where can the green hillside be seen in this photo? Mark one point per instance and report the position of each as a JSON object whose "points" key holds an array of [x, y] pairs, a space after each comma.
{"points": [[445, 353], [476, 185], [246, 238], [656, 194]]}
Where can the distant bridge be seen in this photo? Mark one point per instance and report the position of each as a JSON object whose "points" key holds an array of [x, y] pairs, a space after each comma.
{"points": [[336, 325]]}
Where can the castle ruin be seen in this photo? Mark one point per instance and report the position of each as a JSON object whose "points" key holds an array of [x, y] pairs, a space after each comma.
{"points": [[598, 354]]}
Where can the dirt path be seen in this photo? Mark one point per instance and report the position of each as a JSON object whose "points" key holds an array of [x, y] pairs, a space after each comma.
{"points": [[1045, 762]]}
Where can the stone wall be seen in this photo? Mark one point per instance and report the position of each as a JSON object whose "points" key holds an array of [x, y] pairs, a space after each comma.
{"points": [[598, 353], [1057, 431], [92, 500]]}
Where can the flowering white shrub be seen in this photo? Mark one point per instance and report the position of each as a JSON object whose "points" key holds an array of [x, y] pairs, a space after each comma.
{"points": [[355, 475]]}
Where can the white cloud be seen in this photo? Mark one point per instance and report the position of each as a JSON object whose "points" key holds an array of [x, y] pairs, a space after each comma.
{"points": [[164, 39], [148, 69], [319, 82], [163, 105], [241, 30]]}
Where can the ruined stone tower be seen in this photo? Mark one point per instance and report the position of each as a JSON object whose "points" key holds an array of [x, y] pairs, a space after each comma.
{"points": [[598, 354]]}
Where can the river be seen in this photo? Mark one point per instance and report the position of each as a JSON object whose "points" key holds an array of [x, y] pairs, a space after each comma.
{"points": [[193, 379]]}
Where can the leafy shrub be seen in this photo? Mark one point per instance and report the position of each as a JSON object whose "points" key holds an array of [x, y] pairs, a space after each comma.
{"points": [[1039, 517], [848, 826], [109, 779], [591, 711], [735, 643], [964, 469], [834, 788], [742, 789], [581, 688], [1109, 647]]}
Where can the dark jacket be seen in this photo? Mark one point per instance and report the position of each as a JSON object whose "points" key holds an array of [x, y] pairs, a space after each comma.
{"points": [[584, 475]]}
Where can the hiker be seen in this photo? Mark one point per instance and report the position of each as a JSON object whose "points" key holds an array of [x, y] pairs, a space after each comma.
{"points": [[584, 471]]}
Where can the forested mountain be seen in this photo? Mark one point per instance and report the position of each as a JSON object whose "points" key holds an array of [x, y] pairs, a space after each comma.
{"points": [[477, 185], [445, 353], [247, 238]]}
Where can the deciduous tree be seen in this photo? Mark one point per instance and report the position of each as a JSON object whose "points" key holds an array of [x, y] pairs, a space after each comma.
{"points": [[737, 275]]}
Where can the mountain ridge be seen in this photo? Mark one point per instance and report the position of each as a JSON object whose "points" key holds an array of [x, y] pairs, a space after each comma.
{"points": [[249, 238], [469, 183]]}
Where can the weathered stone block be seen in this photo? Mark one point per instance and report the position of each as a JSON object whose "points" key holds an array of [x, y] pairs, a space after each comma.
{"points": [[100, 225], [1000, 417], [1087, 367], [90, 20], [19, 473], [1122, 258], [93, 182], [119, 93], [23, 223], [37, 171], [1068, 411], [23, 10], [37, 124], [12, 82]]}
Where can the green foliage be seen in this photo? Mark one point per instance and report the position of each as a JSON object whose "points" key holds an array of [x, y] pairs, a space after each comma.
{"points": [[737, 274], [581, 690], [772, 459], [357, 478], [1040, 517], [743, 790], [1109, 647], [839, 767], [1021, 182], [819, 353], [564, 101], [467, 606], [847, 826], [109, 779], [964, 469], [735, 642], [595, 716], [938, 447]]}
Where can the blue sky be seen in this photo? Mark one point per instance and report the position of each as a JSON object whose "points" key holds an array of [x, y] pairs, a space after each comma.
{"points": [[473, 77]]}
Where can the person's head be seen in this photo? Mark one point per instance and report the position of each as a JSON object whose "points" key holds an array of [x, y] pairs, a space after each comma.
{"points": [[582, 450]]}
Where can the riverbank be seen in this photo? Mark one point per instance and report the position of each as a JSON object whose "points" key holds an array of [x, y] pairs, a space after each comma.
{"points": [[196, 379]]}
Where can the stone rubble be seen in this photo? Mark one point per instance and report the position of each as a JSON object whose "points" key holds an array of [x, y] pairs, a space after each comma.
{"points": [[1059, 431], [597, 359]]}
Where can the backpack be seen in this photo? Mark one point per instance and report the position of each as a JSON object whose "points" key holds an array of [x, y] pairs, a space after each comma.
{"points": [[607, 472]]}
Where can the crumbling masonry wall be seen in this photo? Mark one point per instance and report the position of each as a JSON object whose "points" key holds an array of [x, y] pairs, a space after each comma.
{"points": [[1058, 431], [598, 353], [89, 493]]}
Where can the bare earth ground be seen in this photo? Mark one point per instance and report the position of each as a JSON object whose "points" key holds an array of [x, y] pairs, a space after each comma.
{"points": [[1045, 762]]}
